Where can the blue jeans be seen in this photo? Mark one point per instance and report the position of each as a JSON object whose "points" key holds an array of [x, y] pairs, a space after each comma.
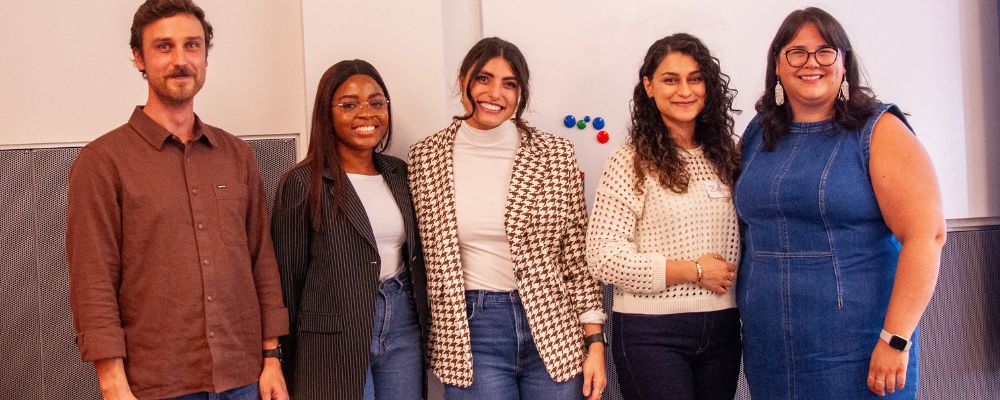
{"points": [[395, 367], [677, 356], [248, 392], [505, 362]]}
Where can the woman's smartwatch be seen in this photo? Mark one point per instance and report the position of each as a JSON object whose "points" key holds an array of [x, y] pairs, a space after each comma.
{"points": [[597, 337], [895, 341]]}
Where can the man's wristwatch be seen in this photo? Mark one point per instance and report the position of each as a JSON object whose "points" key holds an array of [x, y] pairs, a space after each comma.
{"points": [[895, 341], [597, 337], [275, 352]]}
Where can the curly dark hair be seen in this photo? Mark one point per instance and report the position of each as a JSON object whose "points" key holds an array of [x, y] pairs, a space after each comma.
{"points": [[656, 152], [777, 120]]}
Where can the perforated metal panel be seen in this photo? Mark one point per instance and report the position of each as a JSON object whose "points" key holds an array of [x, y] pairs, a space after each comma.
{"points": [[960, 331], [21, 341], [274, 157], [64, 376], [40, 358]]}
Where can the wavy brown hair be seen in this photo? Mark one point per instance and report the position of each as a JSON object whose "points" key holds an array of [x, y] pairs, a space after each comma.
{"points": [[656, 152], [477, 57], [777, 120], [154, 10]]}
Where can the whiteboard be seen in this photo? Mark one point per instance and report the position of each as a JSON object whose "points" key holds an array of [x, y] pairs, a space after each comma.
{"points": [[584, 58]]}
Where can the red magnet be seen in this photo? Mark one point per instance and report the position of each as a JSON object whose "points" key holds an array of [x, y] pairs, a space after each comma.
{"points": [[603, 137]]}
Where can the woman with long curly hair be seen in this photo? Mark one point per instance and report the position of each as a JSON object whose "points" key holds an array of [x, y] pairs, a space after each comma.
{"points": [[665, 234]]}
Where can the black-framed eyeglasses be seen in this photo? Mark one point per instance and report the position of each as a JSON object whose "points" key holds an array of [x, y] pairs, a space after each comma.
{"points": [[825, 56], [378, 104]]}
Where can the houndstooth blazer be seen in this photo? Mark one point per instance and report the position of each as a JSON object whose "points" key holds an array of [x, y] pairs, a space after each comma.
{"points": [[545, 220]]}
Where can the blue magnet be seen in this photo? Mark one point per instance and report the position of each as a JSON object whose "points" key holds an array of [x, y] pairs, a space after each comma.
{"points": [[587, 118], [569, 121], [598, 123]]}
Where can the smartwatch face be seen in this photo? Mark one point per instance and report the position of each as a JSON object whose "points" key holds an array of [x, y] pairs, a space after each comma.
{"points": [[897, 343]]}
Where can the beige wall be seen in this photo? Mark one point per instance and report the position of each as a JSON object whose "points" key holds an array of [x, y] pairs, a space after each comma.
{"points": [[66, 74]]}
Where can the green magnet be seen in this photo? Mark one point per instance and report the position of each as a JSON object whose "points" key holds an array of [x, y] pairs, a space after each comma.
{"points": [[581, 124]]}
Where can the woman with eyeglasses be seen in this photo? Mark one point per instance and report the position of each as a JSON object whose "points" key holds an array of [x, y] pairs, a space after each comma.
{"points": [[514, 312], [347, 245], [664, 232], [843, 227]]}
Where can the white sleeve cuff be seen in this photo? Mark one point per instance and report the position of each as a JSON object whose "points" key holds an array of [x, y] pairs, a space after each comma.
{"points": [[593, 317]]}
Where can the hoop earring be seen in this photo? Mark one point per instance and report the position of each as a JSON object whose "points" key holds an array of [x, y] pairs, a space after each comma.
{"points": [[779, 94], [845, 90]]}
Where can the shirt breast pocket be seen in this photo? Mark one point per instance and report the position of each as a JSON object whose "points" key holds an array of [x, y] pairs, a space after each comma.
{"points": [[232, 200]]}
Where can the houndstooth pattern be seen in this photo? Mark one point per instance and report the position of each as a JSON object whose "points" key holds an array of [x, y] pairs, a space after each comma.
{"points": [[545, 220]]}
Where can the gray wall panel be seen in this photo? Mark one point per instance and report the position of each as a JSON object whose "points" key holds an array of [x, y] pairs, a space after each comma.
{"points": [[274, 157], [64, 375], [959, 356], [21, 339]]}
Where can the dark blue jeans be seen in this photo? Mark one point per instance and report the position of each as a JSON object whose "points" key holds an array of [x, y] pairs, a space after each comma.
{"points": [[395, 367], [505, 361], [248, 392], [677, 356]]}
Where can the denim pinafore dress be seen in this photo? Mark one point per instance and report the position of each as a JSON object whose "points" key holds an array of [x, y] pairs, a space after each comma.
{"points": [[818, 263]]}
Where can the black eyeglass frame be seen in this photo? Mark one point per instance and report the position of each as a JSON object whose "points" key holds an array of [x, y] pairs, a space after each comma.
{"points": [[813, 55]]}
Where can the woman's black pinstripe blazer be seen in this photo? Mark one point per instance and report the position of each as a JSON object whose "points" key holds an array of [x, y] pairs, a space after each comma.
{"points": [[330, 280]]}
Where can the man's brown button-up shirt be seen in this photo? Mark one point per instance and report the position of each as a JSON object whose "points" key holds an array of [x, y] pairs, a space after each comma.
{"points": [[170, 257]]}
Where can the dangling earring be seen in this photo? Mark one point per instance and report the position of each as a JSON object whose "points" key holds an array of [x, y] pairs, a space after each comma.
{"points": [[779, 94], [845, 90]]}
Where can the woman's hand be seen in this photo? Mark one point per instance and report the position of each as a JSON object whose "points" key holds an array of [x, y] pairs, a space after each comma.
{"points": [[887, 370], [717, 275], [594, 378]]}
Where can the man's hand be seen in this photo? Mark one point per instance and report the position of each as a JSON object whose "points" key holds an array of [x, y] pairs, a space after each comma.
{"points": [[112, 379], [272, 381]]}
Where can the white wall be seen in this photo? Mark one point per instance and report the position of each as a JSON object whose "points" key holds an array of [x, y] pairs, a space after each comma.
{"points": [[403, 40], [67, 75], [926, 56], [980, 48]]}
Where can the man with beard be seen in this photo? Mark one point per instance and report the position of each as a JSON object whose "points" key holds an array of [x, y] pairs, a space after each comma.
{"points": [[173, 280]]}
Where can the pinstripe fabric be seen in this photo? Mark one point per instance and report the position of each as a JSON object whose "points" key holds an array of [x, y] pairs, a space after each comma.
{"points": [[330, 280], [545, 219]]}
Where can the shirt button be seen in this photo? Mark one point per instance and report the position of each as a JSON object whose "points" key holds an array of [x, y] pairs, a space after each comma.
{"points": [[194, 191], [209, 298], [200, 227], [211, 334], [204, 262]]}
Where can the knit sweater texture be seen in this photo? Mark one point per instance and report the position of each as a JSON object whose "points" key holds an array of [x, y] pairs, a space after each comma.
{"points": [[632, 235]]}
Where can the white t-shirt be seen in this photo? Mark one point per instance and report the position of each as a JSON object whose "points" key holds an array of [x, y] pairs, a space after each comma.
{"points": [[385, 219], [484, 162]]}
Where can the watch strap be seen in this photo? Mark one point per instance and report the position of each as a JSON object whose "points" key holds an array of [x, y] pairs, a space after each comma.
{"points": [[597, 337], [275, 352], [895, 341]]}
